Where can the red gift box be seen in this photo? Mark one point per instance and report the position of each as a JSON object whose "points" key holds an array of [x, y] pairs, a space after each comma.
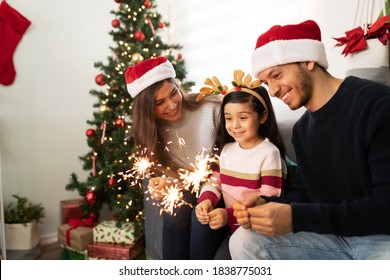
{"points": [[71, 209], [114, 251]]}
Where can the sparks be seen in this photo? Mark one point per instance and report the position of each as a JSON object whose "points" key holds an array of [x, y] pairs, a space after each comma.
{"points": [[169, 197], [192, 180]]}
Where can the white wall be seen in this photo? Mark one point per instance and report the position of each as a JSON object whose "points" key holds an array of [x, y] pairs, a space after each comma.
{"points": [[43, 113]]}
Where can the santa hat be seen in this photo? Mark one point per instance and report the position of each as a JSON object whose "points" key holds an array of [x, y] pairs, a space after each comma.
{"points": [[146, 73], [288, 44]]}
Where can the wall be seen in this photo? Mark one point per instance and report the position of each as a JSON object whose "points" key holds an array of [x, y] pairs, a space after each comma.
{"points": [[43, 114]]}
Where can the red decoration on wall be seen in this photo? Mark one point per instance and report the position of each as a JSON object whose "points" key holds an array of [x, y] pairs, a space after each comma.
{"points": [[139, 36], [115, 23], [100, 80], [13, 25]]}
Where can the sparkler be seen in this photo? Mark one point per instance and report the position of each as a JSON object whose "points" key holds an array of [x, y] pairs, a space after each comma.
{"points": [[169, 196], [192, 180], [142, 167]]}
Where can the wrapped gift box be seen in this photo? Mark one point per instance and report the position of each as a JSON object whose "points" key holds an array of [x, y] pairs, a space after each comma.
{"points": [[113, 251], [75, 237], [107, 231], [71, 209], [70, 253]]}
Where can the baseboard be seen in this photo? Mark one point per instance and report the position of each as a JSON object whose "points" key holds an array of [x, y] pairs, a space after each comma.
{"points": [[49, 239]]}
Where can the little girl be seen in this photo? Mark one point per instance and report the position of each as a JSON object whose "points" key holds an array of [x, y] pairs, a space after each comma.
{"points": [[251, 158]]}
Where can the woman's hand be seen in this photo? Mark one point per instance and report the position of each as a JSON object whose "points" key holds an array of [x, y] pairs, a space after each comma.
{"points": [[202, 211], [157, 186], [218, 218]]}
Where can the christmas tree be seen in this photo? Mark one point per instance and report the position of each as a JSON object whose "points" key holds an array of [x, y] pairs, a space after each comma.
{"points": [[136, 28]]}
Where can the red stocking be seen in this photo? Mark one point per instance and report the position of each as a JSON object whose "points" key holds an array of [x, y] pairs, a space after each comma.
{"points": [[12, 27]]}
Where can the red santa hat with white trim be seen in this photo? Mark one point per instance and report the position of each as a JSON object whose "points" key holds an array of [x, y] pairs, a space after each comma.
{"points": [[146, 73], [288, 44]]}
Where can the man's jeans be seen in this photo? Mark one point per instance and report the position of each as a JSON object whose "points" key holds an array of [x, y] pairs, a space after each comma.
{"points": [[246, 244]]}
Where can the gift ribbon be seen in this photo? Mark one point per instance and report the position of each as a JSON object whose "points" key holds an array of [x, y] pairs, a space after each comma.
{"points": [[75, 223]]}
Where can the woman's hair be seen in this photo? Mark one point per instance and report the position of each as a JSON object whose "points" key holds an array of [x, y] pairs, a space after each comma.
{"points": [[145, 123], [268, 129]]}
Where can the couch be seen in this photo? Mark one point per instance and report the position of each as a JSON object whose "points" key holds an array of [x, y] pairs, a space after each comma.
{"points": [[154, 221]]}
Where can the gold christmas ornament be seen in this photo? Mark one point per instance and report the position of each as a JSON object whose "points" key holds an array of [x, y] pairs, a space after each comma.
{"points": [[136, 58], [104, 108]]}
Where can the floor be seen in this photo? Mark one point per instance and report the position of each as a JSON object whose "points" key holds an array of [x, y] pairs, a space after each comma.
{"points": [[51, 252]]}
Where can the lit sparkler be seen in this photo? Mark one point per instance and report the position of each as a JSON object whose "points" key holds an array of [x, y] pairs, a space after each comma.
{"points": [[192, 180], [142, 167], [169, 197]]}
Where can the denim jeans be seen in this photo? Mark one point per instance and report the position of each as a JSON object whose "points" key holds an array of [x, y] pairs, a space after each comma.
{"points": [[246, 244], [185, 238], [205, 241]]}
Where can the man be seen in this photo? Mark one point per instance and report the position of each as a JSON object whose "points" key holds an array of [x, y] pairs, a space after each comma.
{"points": [[340, 205]]}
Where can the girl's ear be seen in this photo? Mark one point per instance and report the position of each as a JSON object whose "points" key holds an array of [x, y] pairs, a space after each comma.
{"points": [[264, 117]]}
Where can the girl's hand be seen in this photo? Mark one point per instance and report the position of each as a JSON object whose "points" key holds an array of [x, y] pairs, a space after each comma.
{"points": [[202, 211], [218, 218]]}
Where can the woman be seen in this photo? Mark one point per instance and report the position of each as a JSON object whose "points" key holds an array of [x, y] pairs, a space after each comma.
{"points": [[171, 128]]}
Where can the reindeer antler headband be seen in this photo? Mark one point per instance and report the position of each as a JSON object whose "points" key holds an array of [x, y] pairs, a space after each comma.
{"points": [[246, 85]]}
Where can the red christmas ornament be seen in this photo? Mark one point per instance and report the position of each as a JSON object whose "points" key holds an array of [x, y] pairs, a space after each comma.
{"points": [[93, 216], [119, 122], [118, 1], [139, 36], [161, 25], [100, 80], [90, 132], [147, 4], [115, 23], [179, 56], [120, 7], [111, 181], [90, 197]]}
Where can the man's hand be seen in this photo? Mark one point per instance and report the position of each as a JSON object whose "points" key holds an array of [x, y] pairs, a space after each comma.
{"points": [[241, 210], [271, 218]]}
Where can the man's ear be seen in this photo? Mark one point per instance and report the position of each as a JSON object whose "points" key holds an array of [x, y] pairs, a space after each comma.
{"points": [[309, 65]]}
